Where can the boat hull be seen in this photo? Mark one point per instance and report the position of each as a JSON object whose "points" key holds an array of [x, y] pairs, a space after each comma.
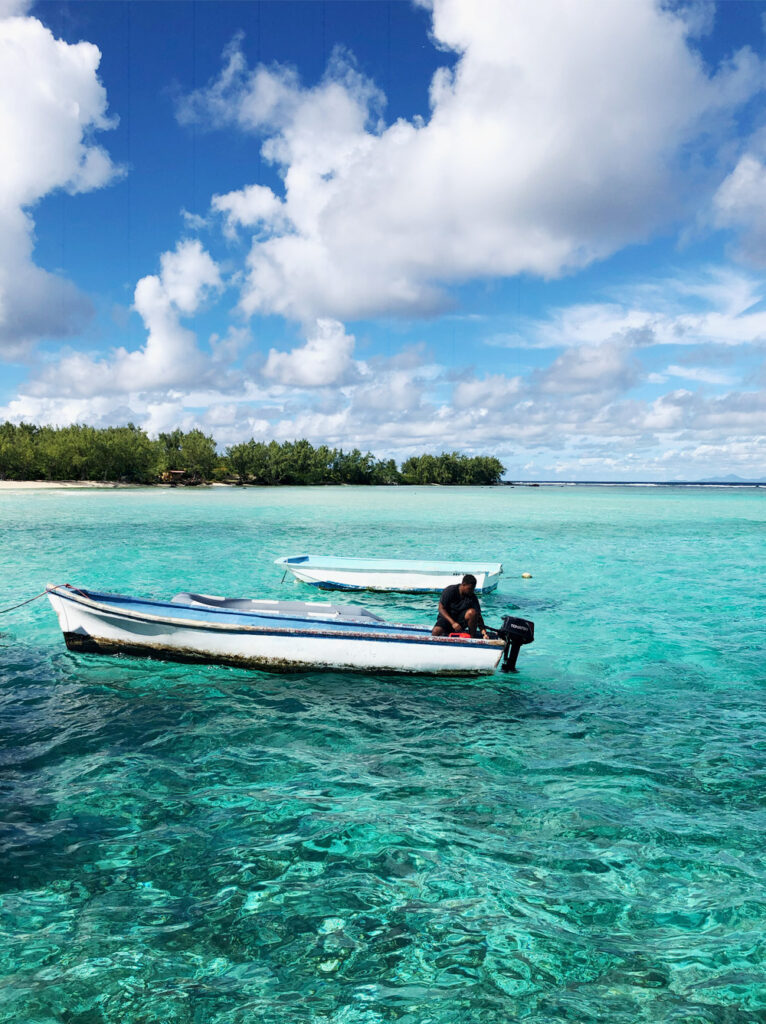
{"points": [[369, 574], [93, 627]]}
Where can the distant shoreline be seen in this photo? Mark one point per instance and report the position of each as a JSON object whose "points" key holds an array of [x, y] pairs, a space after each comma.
{"points": [[635, 483], [106, 485]]}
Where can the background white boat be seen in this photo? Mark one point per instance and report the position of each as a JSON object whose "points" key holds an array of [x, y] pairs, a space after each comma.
{"points": [[272, 635], [400, 574]]}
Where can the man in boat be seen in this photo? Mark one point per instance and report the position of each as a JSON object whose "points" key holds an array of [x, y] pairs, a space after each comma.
{"points": [[459, 610]]}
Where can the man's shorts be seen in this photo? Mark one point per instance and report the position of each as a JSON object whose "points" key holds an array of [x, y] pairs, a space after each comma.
{"points": [[448, 627]]}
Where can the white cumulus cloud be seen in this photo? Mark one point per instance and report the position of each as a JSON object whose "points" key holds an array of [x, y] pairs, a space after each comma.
{"points": [[325, 359], [51, 102], [170, 357], [657, 313], [740, 203], [493, 391], [12, 8], [254, 206], [527, 161], [592, 370]]}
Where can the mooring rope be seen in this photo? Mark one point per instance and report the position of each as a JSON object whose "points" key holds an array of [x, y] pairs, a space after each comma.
{"points": [[22, 603]]}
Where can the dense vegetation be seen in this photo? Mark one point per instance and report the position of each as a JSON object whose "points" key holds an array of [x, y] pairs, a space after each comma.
{"points": [[127, 454]]}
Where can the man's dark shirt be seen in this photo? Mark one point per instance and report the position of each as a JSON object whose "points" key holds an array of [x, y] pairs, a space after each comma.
{"points": [[457, 604]]}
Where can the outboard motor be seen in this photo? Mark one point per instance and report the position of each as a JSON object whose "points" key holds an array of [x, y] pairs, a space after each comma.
{"points": [[516, 633]]}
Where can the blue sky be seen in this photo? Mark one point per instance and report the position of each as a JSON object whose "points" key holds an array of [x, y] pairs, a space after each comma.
{"points": [[535, 232]]}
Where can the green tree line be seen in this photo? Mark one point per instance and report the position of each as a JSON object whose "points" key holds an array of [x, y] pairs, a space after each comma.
{"points": [[128, 454]]}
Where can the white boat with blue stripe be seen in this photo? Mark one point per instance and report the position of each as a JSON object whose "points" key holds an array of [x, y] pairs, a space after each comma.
{"points": [[285, 636], [406, 575]]}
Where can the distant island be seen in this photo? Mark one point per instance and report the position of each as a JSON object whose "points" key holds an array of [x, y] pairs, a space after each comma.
{"points": [[128, 455], [731, 478], [724, 481]]}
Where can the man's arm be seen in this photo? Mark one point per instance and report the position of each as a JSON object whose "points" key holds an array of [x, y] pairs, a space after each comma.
{"points": [[445, 614], [445, 607], [481, 624]]}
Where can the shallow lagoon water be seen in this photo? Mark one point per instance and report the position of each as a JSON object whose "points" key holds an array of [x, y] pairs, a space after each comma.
{"points": [[580, 842]]}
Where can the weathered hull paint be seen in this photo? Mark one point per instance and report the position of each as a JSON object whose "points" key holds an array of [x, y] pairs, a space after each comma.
{"points": [[95, 628], [91, 645]]}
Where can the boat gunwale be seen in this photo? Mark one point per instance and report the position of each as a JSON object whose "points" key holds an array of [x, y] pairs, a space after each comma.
{"points": [[79, 598]]}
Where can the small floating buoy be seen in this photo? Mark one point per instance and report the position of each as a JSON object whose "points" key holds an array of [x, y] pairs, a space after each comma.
{"points": [[526, 575]]}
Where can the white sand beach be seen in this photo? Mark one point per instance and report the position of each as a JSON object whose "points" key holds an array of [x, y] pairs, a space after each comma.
{"points": [[57, 485]]}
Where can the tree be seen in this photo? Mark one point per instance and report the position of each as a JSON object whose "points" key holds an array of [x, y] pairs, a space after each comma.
{"points": [[198, 455], [126, 453], [18, 452], [385, 473], [452, 468], [240, 460], [352, 467], [80, 452], [170, 450]]}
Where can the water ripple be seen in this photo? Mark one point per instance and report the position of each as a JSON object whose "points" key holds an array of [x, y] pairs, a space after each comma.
{"points": [[583, 842]]}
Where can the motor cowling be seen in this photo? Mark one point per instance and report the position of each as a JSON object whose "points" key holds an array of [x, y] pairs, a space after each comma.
{"points": [[516, 632], [513, 628]]}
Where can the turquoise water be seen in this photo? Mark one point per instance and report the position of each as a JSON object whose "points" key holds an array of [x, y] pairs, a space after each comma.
{"points": [[581, 842]]}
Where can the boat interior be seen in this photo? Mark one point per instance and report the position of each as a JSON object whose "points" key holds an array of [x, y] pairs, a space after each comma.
{"points": [[265, 606]]}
